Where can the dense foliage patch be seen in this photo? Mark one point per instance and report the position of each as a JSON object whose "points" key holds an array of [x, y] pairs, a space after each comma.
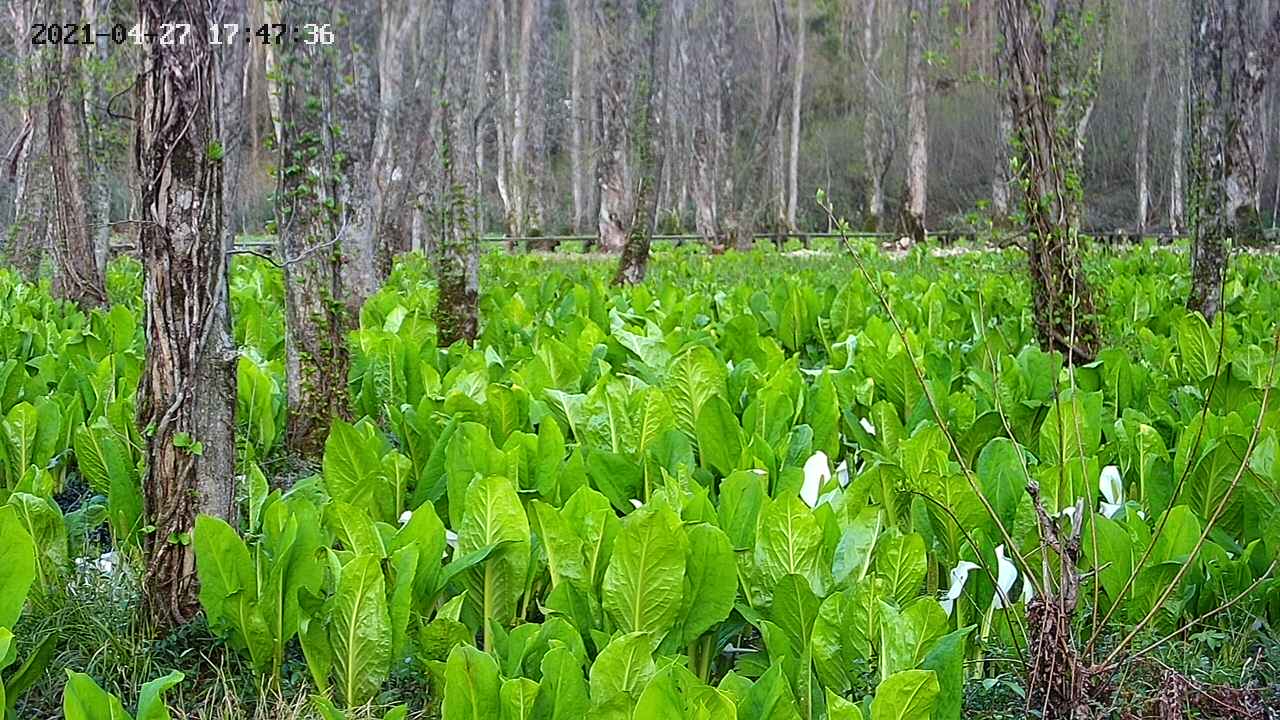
{"points": [[733, 491]]}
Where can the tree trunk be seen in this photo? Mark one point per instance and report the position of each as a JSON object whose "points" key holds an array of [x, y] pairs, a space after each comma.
{"points": [[651, 139], [187, 391], [1000, 179], [77, 276], [578, 114], [96, 118], [1177, 192], [797, 98], [458, 257], [1142, 153], [1230, 64], [26, 236], [612, 22], [875, 139], [1051, 89], [915, 194], [310, 212]]}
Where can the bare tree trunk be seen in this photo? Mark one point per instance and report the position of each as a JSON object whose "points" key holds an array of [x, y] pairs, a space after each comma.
{"points": [[797, 98], [311, 214], [651, 139], [612, 22], [458, 257], [187, 391], [1000, 178], [95, 122], [578, 113], [1142, 154], [25, 236], [875, 138], [1230, 64], [1178, 159], [77, 276], [915, 195], [1051, 89]]}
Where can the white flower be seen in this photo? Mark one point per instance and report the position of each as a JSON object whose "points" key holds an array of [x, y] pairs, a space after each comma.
{"points": [[959, 575], [1006, 576], [636, 504], [1112, 487], [405, 517], [866, 425], [760, 471], [1028, 592], [842, 473], [817, 470], [451, 538]]}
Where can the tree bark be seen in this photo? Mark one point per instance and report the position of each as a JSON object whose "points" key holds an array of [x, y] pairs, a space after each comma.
{"points": [[797, 98], [1051, 90], [458, 256], [26, 237], [579, 114], [311, 214], [915, 191], [1142, 153], [95, 127], [1230, 64], [1000, 178], [77, 276], [187, 391], [651, 139], [1177, 212], [612, 22], [876, 145]]}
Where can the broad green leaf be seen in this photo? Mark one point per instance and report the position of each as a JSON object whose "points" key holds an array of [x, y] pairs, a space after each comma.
{"points": [[84, 699], [788, 541], [360, 630], [18, 558], [471, 687], [908, 695], [493, 517], [644, 582]]}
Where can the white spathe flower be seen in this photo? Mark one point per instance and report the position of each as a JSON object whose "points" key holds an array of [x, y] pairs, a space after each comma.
{"points": [[1006, 576], [866, 425], [760, 471], [1028, 592], [451, 538], [1112, 487], [842, 473], [817, 470], [959, 576], [405, 517], [636, 504]]}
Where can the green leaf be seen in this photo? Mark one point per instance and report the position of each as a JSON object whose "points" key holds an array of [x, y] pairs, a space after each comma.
{"points": [[719, 436], [563, 692], [946, 660], [644, 582], [83, 699], [710, 583], [18, 558], [360, 630], [516, 698], [151, 699], [900, 562], [788, 542], [693, 379], [908, 695], [493, 517], [622, 670], [471, 686]]}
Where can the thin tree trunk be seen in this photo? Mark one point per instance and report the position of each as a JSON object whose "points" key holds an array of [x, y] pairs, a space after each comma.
{"points": [[915, 196], [310, 213], [578, 114], [1177, 190], [1142, 153], [615, 204], [651, 137], [458, 257], [187, 392], [874, 136], [77, 276], [797, 98], [1042, 70], [1000, 177], [96, 117]]}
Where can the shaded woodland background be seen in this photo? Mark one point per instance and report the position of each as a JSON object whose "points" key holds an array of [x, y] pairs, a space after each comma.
{"points": [[761, 102]]}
